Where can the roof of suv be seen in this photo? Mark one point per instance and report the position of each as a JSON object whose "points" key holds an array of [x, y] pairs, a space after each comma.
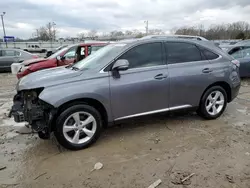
{"points": [[143, 40], [207, 44]]}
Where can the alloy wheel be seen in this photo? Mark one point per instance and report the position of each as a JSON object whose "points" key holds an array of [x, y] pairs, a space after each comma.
{"points": [[215, 103], [79, 127]]}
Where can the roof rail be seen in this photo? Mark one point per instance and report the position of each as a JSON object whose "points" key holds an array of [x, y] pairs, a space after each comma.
{"points": [[175, 36]]}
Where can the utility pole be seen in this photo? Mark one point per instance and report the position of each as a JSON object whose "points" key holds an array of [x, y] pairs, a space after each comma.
{"points": [[146, 22], [4, 29], [52, 32]]}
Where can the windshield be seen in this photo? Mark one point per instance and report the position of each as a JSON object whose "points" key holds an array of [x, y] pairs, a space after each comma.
{"points": [[95, 59], [57, 53]]}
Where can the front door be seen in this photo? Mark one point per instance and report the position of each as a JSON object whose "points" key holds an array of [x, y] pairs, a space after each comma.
{"points": [[144, 87]]}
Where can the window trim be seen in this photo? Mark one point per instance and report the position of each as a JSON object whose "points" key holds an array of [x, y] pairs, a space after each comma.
{"points": [[139, 69], [107, 68], [165, 44]]}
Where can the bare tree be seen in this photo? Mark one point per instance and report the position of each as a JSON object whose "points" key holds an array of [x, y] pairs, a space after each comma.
{"points": [[81, 36], [47, 32], [92, 34], [128, 32], [156, 32]]}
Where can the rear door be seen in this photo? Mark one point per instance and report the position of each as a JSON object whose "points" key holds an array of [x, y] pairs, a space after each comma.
{"points": [[189, 74], [144, 87]]}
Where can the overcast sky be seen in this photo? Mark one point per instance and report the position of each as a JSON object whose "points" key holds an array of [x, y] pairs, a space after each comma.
{"points": [[74, 16]]}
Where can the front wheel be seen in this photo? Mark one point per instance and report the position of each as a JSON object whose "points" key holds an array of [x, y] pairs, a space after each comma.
{"points": [[213, 103], [78, 127]]}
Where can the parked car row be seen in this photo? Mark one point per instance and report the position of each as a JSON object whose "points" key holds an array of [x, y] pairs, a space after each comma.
{"points": [[125, 80]]}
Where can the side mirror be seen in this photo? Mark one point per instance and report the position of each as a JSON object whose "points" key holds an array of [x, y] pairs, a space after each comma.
{"points": [[58, 58], [121, 65]]}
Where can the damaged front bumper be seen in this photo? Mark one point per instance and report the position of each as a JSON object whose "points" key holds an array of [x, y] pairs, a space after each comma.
{"points": [[27, 107]]}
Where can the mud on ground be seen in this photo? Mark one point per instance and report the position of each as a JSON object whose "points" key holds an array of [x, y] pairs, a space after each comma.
{"points": [[134, 154]]}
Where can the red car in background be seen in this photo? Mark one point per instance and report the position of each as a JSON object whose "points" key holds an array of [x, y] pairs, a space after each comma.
{"points": [[65, 56]]}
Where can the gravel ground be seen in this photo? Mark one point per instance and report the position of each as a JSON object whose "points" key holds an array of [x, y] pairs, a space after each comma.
{"points": [[135, 154]]}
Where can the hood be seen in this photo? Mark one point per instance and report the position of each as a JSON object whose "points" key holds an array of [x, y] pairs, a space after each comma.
{"points": [[32, 61], [47, 77]]}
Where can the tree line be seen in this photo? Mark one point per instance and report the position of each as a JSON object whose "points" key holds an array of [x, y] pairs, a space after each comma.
{"points": [[236, 30]]}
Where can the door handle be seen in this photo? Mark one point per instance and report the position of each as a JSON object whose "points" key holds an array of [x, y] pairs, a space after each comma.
{"points": [[207, 70], [160, 77]]}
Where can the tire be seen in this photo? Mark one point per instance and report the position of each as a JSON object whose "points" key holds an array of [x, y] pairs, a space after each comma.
{"points": [[67, 139], [206, 102]]}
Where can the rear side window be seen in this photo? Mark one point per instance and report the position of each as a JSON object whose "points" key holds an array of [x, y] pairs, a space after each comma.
{"points": [[144, 55], [180, 52], [95, 48], [17, 53], [208, 54]]}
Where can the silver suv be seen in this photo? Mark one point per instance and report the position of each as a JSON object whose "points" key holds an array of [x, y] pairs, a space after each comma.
{"points": [[126, 80]]}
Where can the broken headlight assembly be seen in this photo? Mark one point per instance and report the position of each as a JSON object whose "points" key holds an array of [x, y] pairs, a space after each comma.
{"points": [[27, 106]]}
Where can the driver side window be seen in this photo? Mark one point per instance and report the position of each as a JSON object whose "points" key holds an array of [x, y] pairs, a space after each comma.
{"points": [[70, 54], [144, 55]]}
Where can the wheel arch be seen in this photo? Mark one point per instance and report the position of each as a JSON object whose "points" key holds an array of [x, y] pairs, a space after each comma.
{"points": [[89, 101], [224, 85]]}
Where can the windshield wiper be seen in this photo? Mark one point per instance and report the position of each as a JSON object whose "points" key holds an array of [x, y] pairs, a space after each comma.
{"points": [[75, 68]]}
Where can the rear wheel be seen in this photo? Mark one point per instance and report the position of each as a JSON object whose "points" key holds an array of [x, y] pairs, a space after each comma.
{"points": [[78, 127], [213, 103]]}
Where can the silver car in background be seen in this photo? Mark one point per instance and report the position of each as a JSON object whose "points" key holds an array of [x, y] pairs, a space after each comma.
{"points": [[126, 80], [9, 56], [242, 54]]}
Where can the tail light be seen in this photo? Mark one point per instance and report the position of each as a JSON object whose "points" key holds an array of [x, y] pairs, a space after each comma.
{"points": [[35, 56], [236, 62]]}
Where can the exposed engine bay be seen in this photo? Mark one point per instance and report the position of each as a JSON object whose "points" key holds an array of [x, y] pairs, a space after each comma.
{"points": [[29, 108]]}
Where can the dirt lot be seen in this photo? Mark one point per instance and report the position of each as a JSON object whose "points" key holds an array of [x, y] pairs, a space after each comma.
{"points": [[135, 154]]}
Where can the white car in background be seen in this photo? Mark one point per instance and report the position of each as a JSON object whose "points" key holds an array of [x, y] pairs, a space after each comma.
{"points": [[34, 48]]}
